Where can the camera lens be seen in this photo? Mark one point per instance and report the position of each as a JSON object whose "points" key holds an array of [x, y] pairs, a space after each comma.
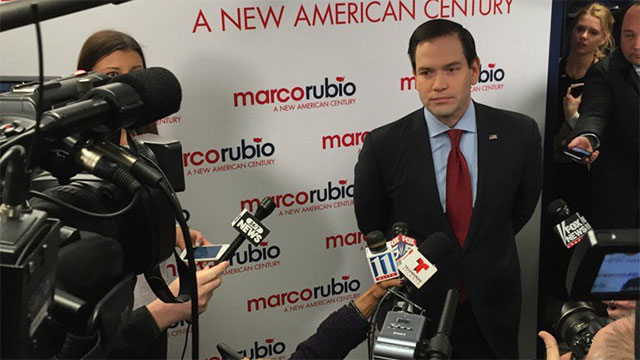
{"points": [[577, 325]]}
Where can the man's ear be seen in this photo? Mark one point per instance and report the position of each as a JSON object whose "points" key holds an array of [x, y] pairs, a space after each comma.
{"points": [[475, 70]]}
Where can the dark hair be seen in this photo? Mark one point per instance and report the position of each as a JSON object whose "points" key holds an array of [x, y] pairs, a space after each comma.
{"points": [[103, 43], [437, 28]]}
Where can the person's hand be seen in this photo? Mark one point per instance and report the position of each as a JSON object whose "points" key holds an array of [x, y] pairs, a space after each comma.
{"points": [[208, 279], [551, 345], [584, 143], [617, 309], [367, 302], [196, 238], [570, 104]]}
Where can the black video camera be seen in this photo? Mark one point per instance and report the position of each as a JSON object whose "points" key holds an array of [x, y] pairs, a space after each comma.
{"points": [[604, 266], [68, 259]]}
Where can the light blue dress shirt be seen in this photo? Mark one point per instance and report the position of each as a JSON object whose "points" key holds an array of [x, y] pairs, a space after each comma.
{"points": [[441, 146]]}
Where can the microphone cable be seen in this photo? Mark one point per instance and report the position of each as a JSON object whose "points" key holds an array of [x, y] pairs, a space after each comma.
{"points": [[39, 110], [165, 186]]}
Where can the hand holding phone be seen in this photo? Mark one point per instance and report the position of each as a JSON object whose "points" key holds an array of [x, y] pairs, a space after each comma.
{"points": [[577, 153], [206, 253], [576, 89], [585, 146]]}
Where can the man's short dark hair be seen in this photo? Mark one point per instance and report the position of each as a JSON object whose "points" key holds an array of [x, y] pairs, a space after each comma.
{"points": [[437, 28]]}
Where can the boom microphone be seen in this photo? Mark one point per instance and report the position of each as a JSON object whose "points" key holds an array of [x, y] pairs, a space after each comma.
{"points": [[571, 228], [128, 101], [18, 13], [250, 226]]}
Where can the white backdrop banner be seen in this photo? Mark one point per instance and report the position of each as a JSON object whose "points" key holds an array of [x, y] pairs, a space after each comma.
{"points": [[277, 97]]}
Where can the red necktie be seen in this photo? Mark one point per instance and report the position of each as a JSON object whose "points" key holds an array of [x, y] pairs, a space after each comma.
{"points": [[458, 194]]}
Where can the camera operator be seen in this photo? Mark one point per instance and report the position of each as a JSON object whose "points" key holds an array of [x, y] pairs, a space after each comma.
{"points": [[614, 341], [114, 53]]}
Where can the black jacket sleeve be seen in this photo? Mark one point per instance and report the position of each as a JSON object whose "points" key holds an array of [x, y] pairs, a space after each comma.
{"points": [[338, 334], [141, 338], [371, 202], [596, 104], [531, 180]]}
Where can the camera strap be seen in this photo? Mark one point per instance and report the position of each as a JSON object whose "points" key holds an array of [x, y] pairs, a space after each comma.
{"points": [[159, 286]]}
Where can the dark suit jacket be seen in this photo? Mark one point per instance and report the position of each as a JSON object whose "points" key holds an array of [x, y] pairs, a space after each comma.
{"points": [[395, 181], [610, 108]]}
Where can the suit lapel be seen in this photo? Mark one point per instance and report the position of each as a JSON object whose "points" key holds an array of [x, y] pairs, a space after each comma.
{"points": [[420, 147]]}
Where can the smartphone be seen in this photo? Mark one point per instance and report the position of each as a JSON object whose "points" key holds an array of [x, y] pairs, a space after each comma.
{"points": [[577, 153], [206, 253], [576, 89], [227, 352]]}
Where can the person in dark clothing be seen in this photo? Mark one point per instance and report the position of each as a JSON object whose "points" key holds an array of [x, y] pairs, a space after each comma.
{"points": [[590, 40], [344, 329], [463, 168], [608, 126], [114, 53]]}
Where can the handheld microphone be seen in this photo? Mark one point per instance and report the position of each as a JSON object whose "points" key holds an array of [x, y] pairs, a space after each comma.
{"points": [[250, 227], [380, 257], [571, 228], [415, 264], [401, 243], [401, 333], [129, 100]]}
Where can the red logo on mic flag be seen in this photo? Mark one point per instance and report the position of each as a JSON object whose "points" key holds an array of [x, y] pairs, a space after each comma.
{"points": [[413, 273], [421, 266]]}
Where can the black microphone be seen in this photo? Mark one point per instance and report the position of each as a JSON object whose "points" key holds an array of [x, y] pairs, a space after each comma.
{"points": [[399, 228], [159, 90], [571, 228], [265, 209], [439, 345], [559, 209], [128, 101], [15, 14], [376, 242]]}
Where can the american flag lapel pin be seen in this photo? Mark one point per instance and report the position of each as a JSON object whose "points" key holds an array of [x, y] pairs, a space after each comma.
{"points": [[493, 137]]}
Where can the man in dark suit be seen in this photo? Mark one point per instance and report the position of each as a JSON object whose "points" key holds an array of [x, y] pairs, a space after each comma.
{"points": [[609, 118], [463, 168]]}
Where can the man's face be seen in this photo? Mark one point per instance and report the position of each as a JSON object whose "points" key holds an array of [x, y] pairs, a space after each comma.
{"points": [[444, 79], [630, 36]]}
